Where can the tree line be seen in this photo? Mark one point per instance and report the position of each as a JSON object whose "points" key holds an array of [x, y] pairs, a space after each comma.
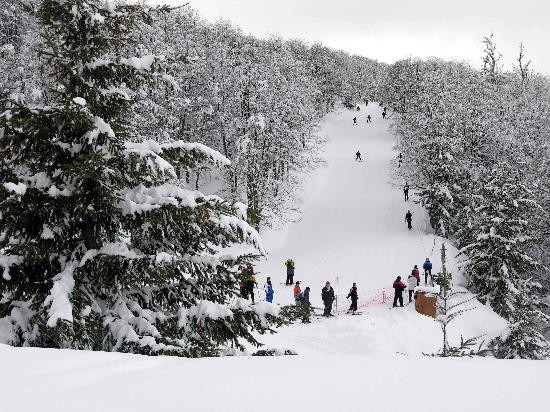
{"points": [[136, 144], [475, 144]]}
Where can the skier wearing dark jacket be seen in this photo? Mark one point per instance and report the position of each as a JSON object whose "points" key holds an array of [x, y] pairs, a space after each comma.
{"points": [[289, 271], [306, 305], [327, 295], [399, 287], [354, 297], [408, 219]]}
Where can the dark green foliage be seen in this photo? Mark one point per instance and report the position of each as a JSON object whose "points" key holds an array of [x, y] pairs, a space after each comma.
{"points": [[101, 245]]}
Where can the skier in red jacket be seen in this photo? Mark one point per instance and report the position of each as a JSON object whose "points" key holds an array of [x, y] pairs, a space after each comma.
{"points": [[399, 287], [416, 273]]}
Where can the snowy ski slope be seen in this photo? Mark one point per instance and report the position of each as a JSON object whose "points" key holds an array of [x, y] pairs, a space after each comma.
{"points": [[353, 228]]}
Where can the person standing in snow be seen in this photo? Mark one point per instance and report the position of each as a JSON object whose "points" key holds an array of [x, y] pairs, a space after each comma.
{"points": [[399, 286], [416, 273], [250, 281], [289, 271], [268, 288], [354, 297], [242, 289], [366, 102], [354, 121], [358, 156], [297, 292], [327, 295], [305, 302], [406, 191], [384, 113], [412, 282], [408, 219], [368, 119], [427, 270]]}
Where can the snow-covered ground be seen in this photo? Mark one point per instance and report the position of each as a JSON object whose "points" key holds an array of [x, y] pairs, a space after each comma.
{"points": [[352, 228]]}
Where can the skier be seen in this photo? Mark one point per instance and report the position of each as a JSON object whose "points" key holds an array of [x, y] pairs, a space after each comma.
{"points": [[289, 271], [358, 156], [354, 121], [384, 113], [242, 289], [353, 295], [268, 288], [412, 282], [408, 219], [427, 270], [297, 292], [327, 295], [399, 286], [406, 191], [416, 273], [306, 304], [250, 281], [358, 108], [366, 102]]}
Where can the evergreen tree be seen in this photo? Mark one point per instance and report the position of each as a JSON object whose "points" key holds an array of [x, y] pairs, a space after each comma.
{"points": [[498, 256], [101, 247], [524, 339]]}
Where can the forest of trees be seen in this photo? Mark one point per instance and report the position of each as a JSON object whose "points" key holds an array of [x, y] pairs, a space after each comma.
{"points": [[476, 145], [114, 116]]}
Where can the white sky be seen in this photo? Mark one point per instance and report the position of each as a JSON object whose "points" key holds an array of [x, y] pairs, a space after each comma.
{"points": [[387, 30]]}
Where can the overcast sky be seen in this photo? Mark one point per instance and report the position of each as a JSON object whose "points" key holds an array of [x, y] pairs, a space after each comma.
{"points": [[392, 29]]}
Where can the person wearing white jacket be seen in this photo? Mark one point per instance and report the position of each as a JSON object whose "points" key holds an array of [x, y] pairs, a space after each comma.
{"points": [[412, 282]]}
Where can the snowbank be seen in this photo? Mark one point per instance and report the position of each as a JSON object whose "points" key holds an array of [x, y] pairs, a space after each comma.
{"points": [[67, 381]]}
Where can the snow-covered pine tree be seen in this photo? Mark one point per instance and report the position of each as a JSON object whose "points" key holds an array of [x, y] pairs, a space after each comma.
{"points": [[524, 339], [498, 257], [99, 248]]}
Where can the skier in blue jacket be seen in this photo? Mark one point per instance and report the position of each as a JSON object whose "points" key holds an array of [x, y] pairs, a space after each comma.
{"points": [[427, 270], [268, 288]]}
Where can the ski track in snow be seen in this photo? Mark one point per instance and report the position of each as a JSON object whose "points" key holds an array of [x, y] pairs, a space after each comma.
{"points": [[352, 227]]}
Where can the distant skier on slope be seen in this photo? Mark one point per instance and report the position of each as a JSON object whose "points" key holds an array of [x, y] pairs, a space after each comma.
{"points": [[406, 191], [327, 295], [399, 286], [412, 282], [358, 108], [427, 266], [416, 273], [384, 113], [408, 219], [297, 291], [268, 288], [354, 121], [289, 271], [354, 297], [358, 156], [368, 119]]}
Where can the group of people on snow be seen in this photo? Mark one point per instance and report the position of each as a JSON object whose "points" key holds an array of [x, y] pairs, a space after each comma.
{"points": [[248, 281], [413, 280]]}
